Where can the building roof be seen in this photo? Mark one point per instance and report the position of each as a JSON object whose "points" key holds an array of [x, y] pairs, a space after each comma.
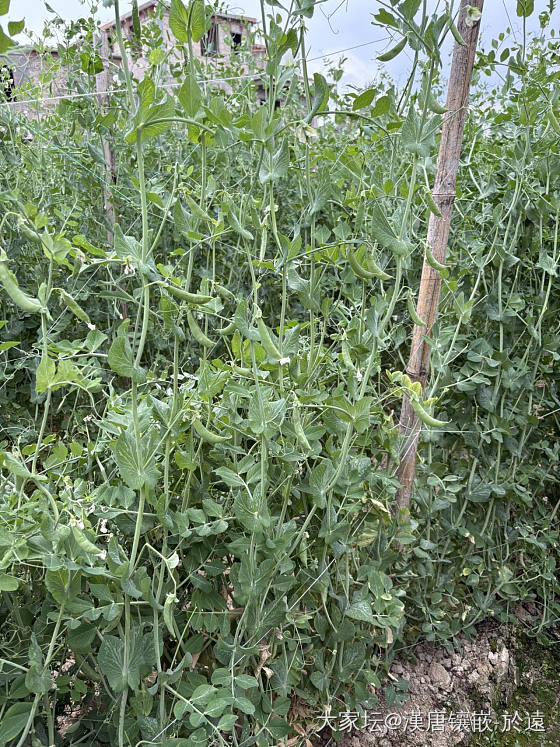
{"points": [[153, 3]]}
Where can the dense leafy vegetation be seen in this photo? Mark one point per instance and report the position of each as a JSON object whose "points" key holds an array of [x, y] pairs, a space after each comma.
{"points": [[199, 402]]}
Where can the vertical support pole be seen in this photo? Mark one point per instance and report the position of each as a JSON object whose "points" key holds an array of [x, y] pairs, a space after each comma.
{"points": [[438, 234]]}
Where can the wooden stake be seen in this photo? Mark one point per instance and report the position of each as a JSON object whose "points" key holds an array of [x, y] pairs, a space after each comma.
{"points": [[438, 234]]}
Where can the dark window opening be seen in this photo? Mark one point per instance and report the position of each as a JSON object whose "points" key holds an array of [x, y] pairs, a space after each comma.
{"points": [[209, 42], [7, 83], [236, 39]]}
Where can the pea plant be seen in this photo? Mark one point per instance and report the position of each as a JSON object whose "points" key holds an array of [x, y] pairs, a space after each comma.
{"points": [[204, 355]]}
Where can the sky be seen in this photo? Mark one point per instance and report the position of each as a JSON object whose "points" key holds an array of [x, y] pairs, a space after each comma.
{"points": [[336, 25]]}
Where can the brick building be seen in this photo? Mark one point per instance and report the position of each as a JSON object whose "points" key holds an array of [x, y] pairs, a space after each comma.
{"points": [[25, 68], [227, 35]]}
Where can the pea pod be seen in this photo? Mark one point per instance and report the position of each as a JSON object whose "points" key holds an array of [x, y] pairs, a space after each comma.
{"points": [[208, 436], [346, 356], [303, 549], [74, 307], [241, 370], [170, 600], [197, 333], [554, 121], [434, 105], [19, 297], [236, 225], [83, 543], [393, 52], [225, 293], [432, 203], [267, 341], [425, 417], [183, 295], [362, 272], [298, 428], [30, 234], [197, 211], [413, 313], [455, 31], [227, 330], [432, 261]]}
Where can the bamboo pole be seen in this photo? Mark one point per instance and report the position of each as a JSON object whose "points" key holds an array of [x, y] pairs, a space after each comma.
{"points": [[438, 234]]}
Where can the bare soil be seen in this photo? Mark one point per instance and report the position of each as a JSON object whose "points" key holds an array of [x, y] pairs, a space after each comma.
{"points": [[500, 688]]}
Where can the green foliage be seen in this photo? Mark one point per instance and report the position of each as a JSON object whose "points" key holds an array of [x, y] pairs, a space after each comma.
{"points": [[199, 408]]}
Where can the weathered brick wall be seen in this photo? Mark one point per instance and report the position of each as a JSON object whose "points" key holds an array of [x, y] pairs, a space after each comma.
{"points": [[38, 77], [226, 26]]}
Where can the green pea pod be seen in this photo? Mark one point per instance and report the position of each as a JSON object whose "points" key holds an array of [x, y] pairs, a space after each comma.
{"points": [[236, 225], [183, 295], [227, 330], [225, 293], [170, 600], [425, 417], [434, 105], [197, 211], [10, 283], [346, 356], [197, 333], [455, 31], [303, 550], [266, 341], [298, 428], [360, 271], [432, 203], [241, 370], [377, 271], [208, 436], [554, 121], [393, 52], [83, 543], [413, 313], [432, 261], [357, 268], [30, 234], [74, 307]]}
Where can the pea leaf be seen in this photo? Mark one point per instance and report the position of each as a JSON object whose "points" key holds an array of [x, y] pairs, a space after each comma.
{"points": [[135, 467], [45, 374], [382, 106], [179, 21], [198, 20], [37, 678], [525, 8], [364, 99], [8, 583], [320, 96], [15, 27], [14, 721], [384, 234], [120, 356], [190, 96], [360, 610], [5, 41], [230, 478], [148, 113], [111, 660], [277, 165]]}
